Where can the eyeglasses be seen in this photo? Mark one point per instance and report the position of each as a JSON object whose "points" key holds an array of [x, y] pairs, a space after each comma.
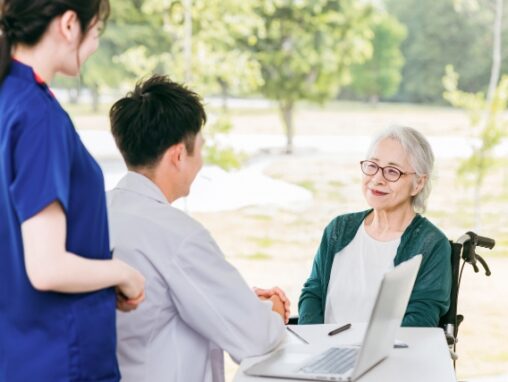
{"points": [[390, 173]]}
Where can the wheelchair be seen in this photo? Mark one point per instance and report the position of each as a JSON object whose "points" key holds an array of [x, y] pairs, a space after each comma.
{"points": [[463, 252]]}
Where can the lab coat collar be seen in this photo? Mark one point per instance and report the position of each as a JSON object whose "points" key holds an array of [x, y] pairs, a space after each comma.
{"points": [[140, 184]]}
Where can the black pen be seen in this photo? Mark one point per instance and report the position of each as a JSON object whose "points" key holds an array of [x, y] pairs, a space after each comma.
{"points": [[339, 329], [297, 335]]}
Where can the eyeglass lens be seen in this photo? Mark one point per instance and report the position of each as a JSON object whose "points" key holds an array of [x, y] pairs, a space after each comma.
{"points": [[391, 174]]}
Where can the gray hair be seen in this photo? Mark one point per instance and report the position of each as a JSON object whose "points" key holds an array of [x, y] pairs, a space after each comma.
{"points": [[421, 157]]}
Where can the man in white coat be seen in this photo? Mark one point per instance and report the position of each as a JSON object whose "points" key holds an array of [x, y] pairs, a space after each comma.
{"points": [[197, 304]]}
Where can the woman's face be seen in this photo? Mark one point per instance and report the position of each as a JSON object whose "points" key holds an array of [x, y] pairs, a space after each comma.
{"points": [[90, 42], [80, 47], [384, 195]]}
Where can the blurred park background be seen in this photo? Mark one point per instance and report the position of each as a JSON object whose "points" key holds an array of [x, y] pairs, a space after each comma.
{"points": [[295, 89]]}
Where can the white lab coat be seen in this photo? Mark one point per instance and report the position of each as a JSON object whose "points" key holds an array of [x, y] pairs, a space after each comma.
{"points": [[196, 302]]}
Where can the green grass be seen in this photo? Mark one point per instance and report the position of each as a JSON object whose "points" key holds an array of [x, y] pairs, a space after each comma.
{"points": [[498, 357], [260, 217], [336, 183], [502, 242], [308, 185], [333, 196], [263, 242], [368, 107], [258, 256]]}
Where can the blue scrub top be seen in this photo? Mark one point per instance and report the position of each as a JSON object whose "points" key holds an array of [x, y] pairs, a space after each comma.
{"points": [[48, 336]]}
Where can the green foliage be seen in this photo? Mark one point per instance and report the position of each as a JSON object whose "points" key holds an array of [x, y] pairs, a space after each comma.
{"points": [[218, 154], [380, 75], [488, 124], [217, 64], [132, 47], [440, 34], [305, 48], [128, 46]]}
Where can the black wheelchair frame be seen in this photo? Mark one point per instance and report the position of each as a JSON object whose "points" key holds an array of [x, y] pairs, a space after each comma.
{"points": [[463, 252]]}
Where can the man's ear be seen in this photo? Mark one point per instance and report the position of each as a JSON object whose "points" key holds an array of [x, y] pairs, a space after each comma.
{"points": [[418, 186], [175, 154], [69, 26]]}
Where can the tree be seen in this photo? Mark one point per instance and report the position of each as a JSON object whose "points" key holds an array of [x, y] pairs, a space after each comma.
{"points": [[380, 76], [217, 64], [130, 49], [438, 36], [305, 48], [486, 112], [208, 58]]}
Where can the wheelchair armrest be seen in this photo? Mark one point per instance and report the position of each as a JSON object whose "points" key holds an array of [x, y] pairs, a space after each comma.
{"points": [[293, 320]]}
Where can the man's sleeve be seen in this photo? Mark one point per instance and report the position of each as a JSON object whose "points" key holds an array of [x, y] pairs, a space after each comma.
{"points": [[213, 298]]}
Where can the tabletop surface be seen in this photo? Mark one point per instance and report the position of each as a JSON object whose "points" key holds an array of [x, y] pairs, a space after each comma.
{"points": [[425, 359]]}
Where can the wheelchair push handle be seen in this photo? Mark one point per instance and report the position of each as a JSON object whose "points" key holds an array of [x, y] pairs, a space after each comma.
{"points": [[469, 242], [485, 242], [477, 240], [481, 241]]}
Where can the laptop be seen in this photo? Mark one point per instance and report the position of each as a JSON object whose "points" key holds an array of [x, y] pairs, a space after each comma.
{"points": [[348, 363]]}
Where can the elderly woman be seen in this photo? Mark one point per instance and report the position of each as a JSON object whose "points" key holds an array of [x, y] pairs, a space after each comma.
{"points": [[358, 248]]}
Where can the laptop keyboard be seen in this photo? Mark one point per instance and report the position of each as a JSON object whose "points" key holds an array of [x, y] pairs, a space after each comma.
{"points": [[333, 361]]}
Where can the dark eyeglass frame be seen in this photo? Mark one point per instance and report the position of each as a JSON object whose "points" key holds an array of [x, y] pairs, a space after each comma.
{"points": [[378, 167]]}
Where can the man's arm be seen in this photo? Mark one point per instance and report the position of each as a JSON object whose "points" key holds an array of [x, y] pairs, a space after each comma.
{"points": [[212, 298]]}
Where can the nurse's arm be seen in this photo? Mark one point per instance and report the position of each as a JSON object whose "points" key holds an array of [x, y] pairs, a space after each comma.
{"points": [[51, 268]]}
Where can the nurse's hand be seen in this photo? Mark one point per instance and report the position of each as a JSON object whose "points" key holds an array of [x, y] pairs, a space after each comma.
{"points": [[275, 291], [131, 292], [126, 305]]}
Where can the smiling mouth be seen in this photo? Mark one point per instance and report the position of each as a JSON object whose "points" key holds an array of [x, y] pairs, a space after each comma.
{"points": [[378, 193]]}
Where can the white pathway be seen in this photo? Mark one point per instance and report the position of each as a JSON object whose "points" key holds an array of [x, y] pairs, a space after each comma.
{"points": [[217, 190], [214, 189]]}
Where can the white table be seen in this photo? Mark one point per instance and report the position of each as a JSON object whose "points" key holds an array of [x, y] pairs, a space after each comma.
{"points": [[426, 359]]}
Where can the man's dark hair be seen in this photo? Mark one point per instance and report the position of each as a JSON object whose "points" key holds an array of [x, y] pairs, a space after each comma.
{"points": [[158, 114]]}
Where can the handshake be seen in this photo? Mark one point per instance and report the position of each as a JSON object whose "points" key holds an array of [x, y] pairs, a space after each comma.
{"points": [[280, 302]]}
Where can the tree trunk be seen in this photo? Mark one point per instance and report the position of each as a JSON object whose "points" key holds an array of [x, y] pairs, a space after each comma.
{"points": [[286, 109], [494, 79], [496, 52], [74, 93], [187, 48], [95, 97], [224, 95], [477, 198]]}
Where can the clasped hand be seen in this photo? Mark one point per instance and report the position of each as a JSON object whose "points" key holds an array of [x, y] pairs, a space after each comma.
{"points": [[280, 301]]}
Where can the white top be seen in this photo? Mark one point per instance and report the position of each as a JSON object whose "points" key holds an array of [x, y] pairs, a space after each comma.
{"points": [[196, 302], [355, 277]]}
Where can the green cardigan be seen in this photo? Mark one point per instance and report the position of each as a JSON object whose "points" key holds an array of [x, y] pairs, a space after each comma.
{"points": [[430, 297]]}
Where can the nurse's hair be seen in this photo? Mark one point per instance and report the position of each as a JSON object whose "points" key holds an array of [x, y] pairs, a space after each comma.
{"points": [[420, 155], [26, 21], [156, 115]]}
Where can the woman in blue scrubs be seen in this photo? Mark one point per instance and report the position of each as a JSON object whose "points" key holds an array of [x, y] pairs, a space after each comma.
{"points": [[58, 283]]}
